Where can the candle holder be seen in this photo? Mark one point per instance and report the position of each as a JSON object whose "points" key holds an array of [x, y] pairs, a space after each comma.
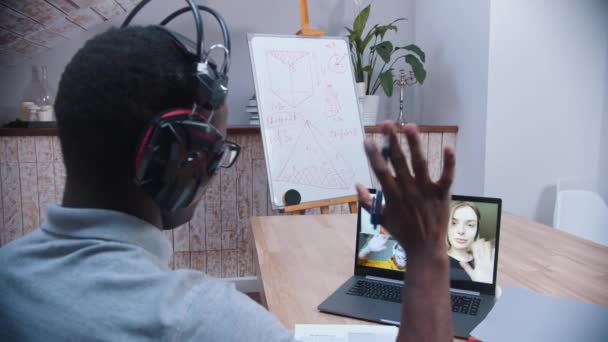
{"points": [[402, 82]]}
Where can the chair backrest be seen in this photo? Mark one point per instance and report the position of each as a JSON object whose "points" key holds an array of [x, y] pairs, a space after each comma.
{"points": [[581, 211]]}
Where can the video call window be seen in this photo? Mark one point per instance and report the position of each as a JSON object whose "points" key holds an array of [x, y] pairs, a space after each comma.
{"points": [[470, 243]]}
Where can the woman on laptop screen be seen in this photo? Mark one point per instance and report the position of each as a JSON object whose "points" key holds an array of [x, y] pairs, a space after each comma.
{"points": [[471, 258]]}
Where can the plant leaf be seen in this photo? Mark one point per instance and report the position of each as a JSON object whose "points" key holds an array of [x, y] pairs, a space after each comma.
{"points": [[381, 30], [385, 50], [417, 67], [386, 80], [368, 37], [415, 49], [361, 20], [359, 48]]}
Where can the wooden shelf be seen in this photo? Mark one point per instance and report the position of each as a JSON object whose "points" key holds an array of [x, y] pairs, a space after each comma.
{"points": [[237, 129]]}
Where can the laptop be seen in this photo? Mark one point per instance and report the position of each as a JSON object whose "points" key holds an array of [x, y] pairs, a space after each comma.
{"points": [[374, 292]]}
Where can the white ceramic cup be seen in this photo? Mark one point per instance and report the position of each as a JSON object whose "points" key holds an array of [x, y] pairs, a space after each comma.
{"points": [[45, 113]]}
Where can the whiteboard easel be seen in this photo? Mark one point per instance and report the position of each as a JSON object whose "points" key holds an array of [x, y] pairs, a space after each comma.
{"points": [[309, 117]]}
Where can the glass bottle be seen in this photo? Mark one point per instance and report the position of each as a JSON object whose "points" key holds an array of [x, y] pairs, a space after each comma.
{"points": [[38, 91]]}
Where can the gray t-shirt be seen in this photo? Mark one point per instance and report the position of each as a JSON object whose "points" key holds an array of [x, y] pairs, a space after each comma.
{"points": [[101, 275]]}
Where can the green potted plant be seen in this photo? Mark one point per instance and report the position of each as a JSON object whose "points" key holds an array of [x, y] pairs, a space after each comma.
{"points": [[372, 73]]}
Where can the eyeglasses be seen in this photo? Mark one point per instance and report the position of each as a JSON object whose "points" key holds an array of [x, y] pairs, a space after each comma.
{"points": [[229, 154]]}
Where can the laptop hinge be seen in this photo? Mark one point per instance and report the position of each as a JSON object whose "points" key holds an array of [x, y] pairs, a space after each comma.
{"points": [[389, 280], [473, 293]]}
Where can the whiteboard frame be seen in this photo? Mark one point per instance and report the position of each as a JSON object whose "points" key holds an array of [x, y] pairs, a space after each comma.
{"points": [[250, 37]]}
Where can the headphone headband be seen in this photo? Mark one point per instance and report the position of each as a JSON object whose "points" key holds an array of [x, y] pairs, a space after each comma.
{"points": [[198, 22]]}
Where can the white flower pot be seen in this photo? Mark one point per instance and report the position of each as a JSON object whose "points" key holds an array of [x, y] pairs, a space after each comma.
{"points": [[369, 109], [360, 89]]}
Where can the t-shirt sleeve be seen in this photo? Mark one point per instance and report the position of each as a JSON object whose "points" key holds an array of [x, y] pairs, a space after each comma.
{"points": [[216, 311]]}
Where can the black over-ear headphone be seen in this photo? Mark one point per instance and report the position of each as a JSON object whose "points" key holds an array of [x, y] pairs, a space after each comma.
{"points": [[179, 150]]}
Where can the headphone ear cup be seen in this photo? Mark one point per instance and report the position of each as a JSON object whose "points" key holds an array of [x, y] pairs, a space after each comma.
{"points": [[173, 163]]}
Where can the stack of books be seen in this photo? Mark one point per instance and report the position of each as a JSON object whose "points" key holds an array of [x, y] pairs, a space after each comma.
{"points": [[252, 109]]}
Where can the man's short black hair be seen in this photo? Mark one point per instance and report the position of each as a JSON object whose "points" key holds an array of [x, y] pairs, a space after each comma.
{"points": [[110, 89]]}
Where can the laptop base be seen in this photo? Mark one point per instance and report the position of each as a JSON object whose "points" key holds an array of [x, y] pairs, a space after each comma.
{"points": [[374, 310]]}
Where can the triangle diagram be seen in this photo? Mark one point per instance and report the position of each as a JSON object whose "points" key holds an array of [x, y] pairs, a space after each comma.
{"points": [[309, 163], [288, 58]]}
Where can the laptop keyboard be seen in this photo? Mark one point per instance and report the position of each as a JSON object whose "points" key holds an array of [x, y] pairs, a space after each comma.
{"points": [[376, 290], [392, 293], [465, 304]]}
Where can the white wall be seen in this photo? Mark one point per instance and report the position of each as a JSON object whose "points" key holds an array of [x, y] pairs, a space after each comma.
{"points": [[455, 36], [260, 16], [603, 165], [546, 98]]}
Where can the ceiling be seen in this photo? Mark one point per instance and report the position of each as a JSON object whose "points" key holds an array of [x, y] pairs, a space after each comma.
{"points": [[30, 27]]}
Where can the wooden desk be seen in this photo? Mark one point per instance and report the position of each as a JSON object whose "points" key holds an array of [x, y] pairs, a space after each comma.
{"points": [[303, 259]]}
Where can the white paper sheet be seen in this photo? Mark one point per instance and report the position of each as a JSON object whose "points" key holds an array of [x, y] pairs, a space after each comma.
{"points": [[345, 333], [523, 315]]}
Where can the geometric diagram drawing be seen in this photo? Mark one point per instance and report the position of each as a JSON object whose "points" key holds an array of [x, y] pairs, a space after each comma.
{"points": [[311, 163], [338, 64], [283, 136], [332, 106], [292, 82]]}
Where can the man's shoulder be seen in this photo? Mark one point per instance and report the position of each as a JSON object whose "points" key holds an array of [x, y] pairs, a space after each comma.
{"points": [[12, 248]]}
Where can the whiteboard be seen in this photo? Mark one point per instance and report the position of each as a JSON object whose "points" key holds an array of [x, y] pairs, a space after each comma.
{"points": [[309, 116]]}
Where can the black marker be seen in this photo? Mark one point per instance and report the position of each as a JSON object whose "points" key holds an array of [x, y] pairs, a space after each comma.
{"points": [[377, 201]]}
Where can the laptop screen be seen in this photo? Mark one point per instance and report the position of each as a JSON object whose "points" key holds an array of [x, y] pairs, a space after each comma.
{"points": [[471, 243]]}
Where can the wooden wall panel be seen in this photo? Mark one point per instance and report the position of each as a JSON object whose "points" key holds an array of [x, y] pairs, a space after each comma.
{"points": [[259, 196], [169, 236], [213, 216], [27, 149], [65, 6], [424, 144], [228, 206], [86, 18], [181, 260], [10, 150], [181, 238], [214, 263], [244, 189], [405, 148], [39, 10], [44, 149], [57, 153], [107, 8], [434, 155], [11, 197], [64, 27], [59, 174], [16, 22], [229, 263], [244, 258], [29, 196], [127, 5], [217, 240], [46, 187], [198, 238], [449, 139], [198, 261]]}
